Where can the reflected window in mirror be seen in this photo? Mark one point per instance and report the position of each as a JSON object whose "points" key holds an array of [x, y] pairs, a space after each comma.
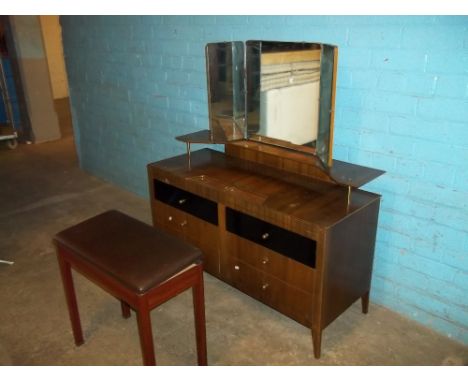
{"points": [[290, 93]]}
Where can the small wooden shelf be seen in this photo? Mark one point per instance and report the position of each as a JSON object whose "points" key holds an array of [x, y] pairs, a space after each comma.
{"points": [[202, 136], [353, 175]]}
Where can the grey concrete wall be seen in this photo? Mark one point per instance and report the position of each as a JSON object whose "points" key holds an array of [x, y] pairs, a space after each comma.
{"points": [[35, 76]]}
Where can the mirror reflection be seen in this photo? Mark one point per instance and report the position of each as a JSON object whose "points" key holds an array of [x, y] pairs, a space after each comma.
{"points": [[226, 93], [286, 83], [279, 93], [289, 95]]}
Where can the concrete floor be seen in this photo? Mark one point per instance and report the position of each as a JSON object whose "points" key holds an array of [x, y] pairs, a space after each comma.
{"points": [[42, 191]]}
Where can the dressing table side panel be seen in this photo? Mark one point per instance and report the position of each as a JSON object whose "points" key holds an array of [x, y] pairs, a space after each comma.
{"points": [[348, 259]]}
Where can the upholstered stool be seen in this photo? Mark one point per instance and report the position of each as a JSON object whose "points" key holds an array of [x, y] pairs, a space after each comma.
{"points": [[139, 265]]}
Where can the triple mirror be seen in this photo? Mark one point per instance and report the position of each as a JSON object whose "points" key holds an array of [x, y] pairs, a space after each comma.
{"points": [[280, 93]]}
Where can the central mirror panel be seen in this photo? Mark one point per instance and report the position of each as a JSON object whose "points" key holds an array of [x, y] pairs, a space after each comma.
{"points": [[279, 93], [284, 96]]}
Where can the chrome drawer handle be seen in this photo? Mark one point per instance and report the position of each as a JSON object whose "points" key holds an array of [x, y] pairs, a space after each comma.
{"points": [[265, 260], [236, 267], [265, 236], [182, 201], [169, 218], [265, 286]]}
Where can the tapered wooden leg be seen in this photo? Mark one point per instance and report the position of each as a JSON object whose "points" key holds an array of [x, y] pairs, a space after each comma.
{"points": [[146, 336], [125, 309], [199, 313], [365, 303], [70, 296], [317, 342]]}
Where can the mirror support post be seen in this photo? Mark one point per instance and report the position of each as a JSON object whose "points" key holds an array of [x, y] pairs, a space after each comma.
{"points": [[349, 196], [188, 153]]}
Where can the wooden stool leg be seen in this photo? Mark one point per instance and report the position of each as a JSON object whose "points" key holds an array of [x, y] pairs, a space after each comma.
{"points": [[365, 303], [70, 296], [146, 336], [125, 309], [199, 313], [317, 342]]}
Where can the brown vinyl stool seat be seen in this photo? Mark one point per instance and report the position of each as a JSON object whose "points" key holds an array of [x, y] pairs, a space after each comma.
{"points": [[138, 264]]}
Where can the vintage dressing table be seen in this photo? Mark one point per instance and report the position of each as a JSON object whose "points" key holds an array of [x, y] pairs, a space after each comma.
{"points": [[275, 215]]}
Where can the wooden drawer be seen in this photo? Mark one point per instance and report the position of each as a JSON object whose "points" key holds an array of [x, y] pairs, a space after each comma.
{"points": [[195, 205], [277, 265], [169, 219], [277, 239], [287, 299], [195, 231], [244, 277]]}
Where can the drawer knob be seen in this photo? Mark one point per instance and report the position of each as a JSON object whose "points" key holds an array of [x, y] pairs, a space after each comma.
{"points": [[236, 267], [169, 218], [265, 286], [265, 236], [265, 260], [182, 201], [184, 223]]}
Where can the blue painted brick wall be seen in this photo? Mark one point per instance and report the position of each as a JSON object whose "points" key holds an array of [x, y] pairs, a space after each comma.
{"points": [[402, 106]]}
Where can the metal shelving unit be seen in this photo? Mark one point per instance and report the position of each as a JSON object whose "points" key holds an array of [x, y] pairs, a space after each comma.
{"points": [[8, 132]]}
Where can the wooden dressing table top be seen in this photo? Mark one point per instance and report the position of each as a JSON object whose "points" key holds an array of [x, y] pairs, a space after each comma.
{"points": [[301, 204]]}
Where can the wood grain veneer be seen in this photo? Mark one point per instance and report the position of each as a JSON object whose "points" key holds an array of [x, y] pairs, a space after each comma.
{"points": [[283, 189]]}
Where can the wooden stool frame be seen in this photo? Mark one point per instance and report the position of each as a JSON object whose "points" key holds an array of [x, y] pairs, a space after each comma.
{"points": [[142, 303]]}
